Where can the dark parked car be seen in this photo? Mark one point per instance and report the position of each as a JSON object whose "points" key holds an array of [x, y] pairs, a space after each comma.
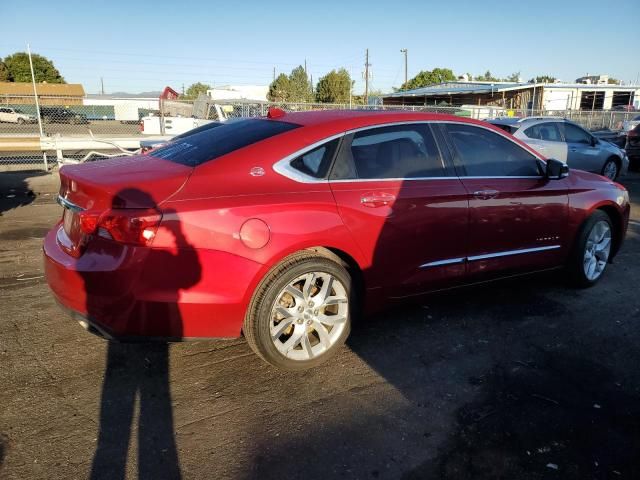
{"points": [[280, 228], [62, 115], [633, 145]]}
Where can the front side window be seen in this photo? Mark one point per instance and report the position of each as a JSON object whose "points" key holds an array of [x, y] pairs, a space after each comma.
{"points": [[399, 151], [573, 134], [544, 131], [210, 144], [483, 153]]}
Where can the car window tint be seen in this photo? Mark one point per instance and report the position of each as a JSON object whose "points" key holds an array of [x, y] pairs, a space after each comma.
{"points": [[483, 153], [316, 162], [544, 131], [196, 149], [573, 134], [401, 151]]}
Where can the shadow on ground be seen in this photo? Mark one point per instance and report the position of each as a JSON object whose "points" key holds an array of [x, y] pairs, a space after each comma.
{"points": [[533, 403], [14, 189]]}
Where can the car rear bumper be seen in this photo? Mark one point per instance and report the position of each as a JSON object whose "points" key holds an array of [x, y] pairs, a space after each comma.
{"points": [[137, 293]]}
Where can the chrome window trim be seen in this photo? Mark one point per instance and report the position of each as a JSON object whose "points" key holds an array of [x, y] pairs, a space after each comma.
{"points": [[473, 258], [69, 205], [284, 168]]}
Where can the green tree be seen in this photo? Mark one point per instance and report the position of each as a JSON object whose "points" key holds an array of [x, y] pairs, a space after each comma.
{"points": [[5, 75], [279, 89], [426, 77], [43, 68], [195, 89], [611, 81], [300, 89], [514, 77], [487, 77], [543, 79], [334, 87]]}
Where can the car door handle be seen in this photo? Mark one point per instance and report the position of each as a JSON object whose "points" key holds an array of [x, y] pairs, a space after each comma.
{"points": [[485, 194], [573, 149], [374, 200]]}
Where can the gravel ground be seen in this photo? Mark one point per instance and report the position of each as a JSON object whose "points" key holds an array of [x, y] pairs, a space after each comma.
{"points": [[523, 379]]}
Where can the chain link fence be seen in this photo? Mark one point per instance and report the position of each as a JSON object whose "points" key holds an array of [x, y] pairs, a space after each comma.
{"points": [[71, 128]]}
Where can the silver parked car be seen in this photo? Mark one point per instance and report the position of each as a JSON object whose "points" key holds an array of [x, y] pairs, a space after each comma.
{"points": [[564, 140]]}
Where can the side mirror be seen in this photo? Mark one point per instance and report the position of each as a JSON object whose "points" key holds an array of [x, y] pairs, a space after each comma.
{"points": [[555, 169], [594, 141]]}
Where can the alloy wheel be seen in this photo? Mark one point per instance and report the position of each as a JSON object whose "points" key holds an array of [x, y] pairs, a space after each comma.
{"points": [[610, 170], [597, 249], [309, 316]]}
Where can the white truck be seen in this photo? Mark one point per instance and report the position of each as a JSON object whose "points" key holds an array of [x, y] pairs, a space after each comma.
{"points": [[159, 125]]}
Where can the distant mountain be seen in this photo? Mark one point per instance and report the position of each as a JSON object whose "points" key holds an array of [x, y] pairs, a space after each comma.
{"points": [[154, 94]]}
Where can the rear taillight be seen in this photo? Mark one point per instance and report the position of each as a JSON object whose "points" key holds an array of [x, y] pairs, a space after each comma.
{"points": [[130, 226]]}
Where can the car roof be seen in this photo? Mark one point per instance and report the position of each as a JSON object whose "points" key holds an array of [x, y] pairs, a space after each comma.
{"points": [[351, 119]]}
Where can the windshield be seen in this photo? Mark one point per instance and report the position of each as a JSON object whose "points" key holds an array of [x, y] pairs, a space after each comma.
{"points": [[210, 144]]}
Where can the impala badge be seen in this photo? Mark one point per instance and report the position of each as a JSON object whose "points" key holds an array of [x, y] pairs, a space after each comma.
{"points": [[256, 172]]}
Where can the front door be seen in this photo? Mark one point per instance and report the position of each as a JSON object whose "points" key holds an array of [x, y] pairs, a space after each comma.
{"points": [[583, 151], [404, 206], [517, 217]]}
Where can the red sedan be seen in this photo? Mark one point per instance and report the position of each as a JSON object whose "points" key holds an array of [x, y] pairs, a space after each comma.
{"points": [[281, 228]]}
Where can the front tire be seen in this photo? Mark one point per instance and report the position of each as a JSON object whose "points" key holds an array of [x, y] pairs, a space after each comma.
{"points": [[300, 315], [591, 251]]}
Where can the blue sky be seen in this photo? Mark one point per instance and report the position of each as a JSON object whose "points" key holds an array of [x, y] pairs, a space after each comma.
{"points": [[137, 46]]}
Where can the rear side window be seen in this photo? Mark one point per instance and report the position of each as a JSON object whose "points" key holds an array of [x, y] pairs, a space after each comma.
{"points": [[210, 144], [316, 162], [402, 151], [483, 153], [544, 131]]}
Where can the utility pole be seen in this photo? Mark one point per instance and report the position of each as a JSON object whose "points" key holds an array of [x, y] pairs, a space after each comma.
{"points": [[366, 77], [101, 86], [305, 66], [404, 50], [274, 74]]}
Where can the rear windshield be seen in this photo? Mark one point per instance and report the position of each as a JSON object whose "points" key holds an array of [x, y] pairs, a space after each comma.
{"points": [[210, 144]]}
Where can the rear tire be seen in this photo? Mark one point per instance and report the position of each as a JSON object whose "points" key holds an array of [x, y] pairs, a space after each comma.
{"points": [[20, 121], [591, 252], [300, 314], [610, 169]]}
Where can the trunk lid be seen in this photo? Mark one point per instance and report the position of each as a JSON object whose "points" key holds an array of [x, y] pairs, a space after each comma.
{"points": [[127, 182], [129, 185]]}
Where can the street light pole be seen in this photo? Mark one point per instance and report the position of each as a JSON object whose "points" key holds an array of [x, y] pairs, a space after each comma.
{"points": [[35, 95], [404, 50]]}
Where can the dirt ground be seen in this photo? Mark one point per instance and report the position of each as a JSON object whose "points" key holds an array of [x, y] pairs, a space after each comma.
{"points": [[523, 379]]}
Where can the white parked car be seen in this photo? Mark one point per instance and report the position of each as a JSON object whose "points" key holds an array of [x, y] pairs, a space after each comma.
{"points": [[13, 115]]}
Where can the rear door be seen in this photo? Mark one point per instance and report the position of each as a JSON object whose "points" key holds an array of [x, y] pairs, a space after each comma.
{"points": [[547, 139], [517, 217], [404, 206], [583, 152]]}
